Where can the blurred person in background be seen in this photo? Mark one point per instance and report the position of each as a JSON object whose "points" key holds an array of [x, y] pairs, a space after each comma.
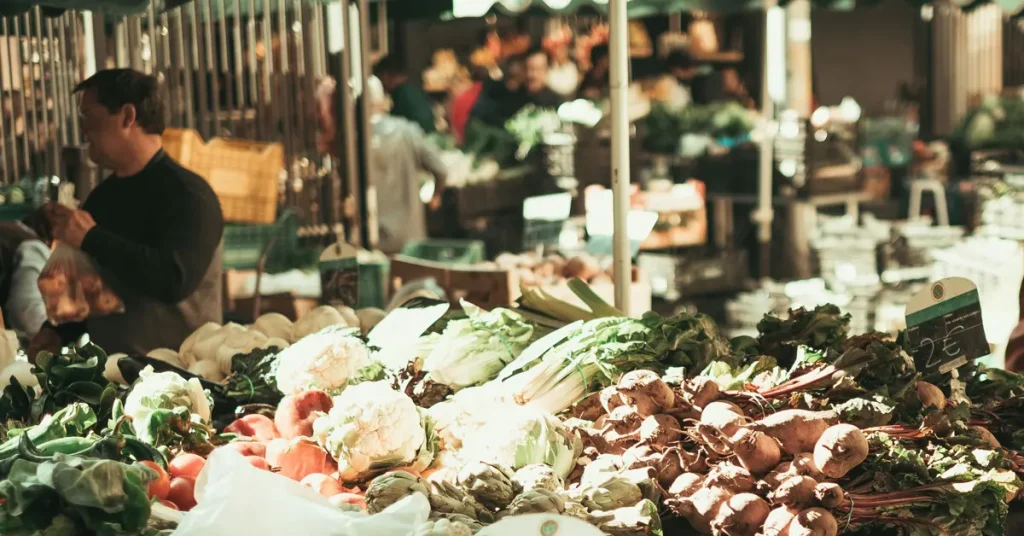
{"points": [[537, 90], [564, 75], [595, 84], [24, 250], [400, 154], [410, 101], [464, 99], [501, 99]]}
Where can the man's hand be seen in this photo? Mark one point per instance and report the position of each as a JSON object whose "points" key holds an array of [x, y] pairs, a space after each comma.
{"points": [[435, 201], [69, 225], [47, 340]]}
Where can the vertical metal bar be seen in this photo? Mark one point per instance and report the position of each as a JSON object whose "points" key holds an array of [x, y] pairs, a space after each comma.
{"points": [[211, 68], [48, 133], [16, 59], [138, 63], [154, 45], [236, 28], [306, 87], [33, 95], [71, 56], [285, 97], [347, 133], [196, 67], [273, 119], [3, 127], [383, 43], [319, 47], [255, 91], [171, 72], [372, 233], [162, 63], [225, 68], [185, 64], [60, 114]]}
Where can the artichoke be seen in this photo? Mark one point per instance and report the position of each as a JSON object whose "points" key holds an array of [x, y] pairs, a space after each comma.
{"points": [[389, 488], [445, 498], [614, 493], [491, 485], [443, 527], [536, 501], [537, 476]]}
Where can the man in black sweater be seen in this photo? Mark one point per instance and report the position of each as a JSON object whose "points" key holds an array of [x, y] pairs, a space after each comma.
{"points": [[153, 228]]}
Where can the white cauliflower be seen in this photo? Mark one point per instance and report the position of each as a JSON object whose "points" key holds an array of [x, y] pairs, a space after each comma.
{"points": [[524, 435], [326, 360], [371, 426], [164, 390]]}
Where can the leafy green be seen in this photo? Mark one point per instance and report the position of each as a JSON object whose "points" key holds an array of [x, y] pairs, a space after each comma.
{"points": [[823, 329]]}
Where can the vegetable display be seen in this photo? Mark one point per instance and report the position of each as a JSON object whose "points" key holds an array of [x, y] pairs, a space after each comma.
{"points": [[637, 426]]}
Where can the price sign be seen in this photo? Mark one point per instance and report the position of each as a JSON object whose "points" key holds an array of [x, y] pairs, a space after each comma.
{"points": [[339, 275], [944, 326]]}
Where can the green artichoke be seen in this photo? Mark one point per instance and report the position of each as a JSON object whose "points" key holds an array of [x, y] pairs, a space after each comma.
{"points": [[537, 476], [460, 519], [445, 498], [389, 488], [536, 501], [491, 485], [614, 493], [443, 527]]}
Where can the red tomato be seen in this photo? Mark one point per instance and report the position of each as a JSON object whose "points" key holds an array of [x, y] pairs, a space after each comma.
{"points": [[186, 465], [168, 504], [159, 487], [182, 493]]}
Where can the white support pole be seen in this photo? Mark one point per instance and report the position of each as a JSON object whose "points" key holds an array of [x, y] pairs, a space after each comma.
{"points": [[619, 52], [774, 39]]}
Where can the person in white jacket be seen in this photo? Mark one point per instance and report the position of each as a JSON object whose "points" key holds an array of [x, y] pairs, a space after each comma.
{"points": [[400, 154], [23, 254]]}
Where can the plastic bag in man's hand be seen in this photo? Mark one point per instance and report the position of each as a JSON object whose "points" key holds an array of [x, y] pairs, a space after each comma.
{"points": [[236, 498], [72, 289]]}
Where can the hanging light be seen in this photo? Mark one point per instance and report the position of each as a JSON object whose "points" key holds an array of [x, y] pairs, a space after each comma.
{"points": [[820, 117], [849, 109]]}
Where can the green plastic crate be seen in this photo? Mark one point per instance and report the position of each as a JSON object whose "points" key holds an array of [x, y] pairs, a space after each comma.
{"points": [[244, 244], [446, 251], [373, 283]]}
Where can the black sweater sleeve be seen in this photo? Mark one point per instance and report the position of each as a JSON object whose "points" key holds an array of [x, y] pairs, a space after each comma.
{"points": [[172, 268]]}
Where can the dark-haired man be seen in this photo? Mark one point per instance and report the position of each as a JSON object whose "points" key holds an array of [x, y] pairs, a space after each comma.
{"points": [[537, 90], [153, 228], [408, 99]]}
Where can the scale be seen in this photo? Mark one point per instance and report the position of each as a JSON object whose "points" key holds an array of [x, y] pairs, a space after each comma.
{"points": [[945, 329]]}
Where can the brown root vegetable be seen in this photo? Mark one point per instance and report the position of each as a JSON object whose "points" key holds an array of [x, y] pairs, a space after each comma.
{"points": [[829, 494], [778, 521], [803, 464], [755, 451], [814, 522], [686, 485], [840, 448], [701, 508], [779, 474], [984, 434], [589, 409], [795, 491], [669, 466], [701, 391], [796, 430], [610, 398], [731, 477], [639, 456], [741, 515], [930, 395], [660, 431], [624, 420], [646, 392], [722, 417]]}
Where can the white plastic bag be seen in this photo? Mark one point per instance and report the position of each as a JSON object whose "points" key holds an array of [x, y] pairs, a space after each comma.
{"points": [[236, 498]]}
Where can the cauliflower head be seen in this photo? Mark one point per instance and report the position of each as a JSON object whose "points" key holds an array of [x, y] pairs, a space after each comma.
{"points": [[370, 427], [165, 390], [524, 435], [326, 360]]}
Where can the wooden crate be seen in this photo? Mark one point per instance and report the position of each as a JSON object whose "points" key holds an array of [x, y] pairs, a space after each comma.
{"points": [[483, 287], [245, 175]]}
